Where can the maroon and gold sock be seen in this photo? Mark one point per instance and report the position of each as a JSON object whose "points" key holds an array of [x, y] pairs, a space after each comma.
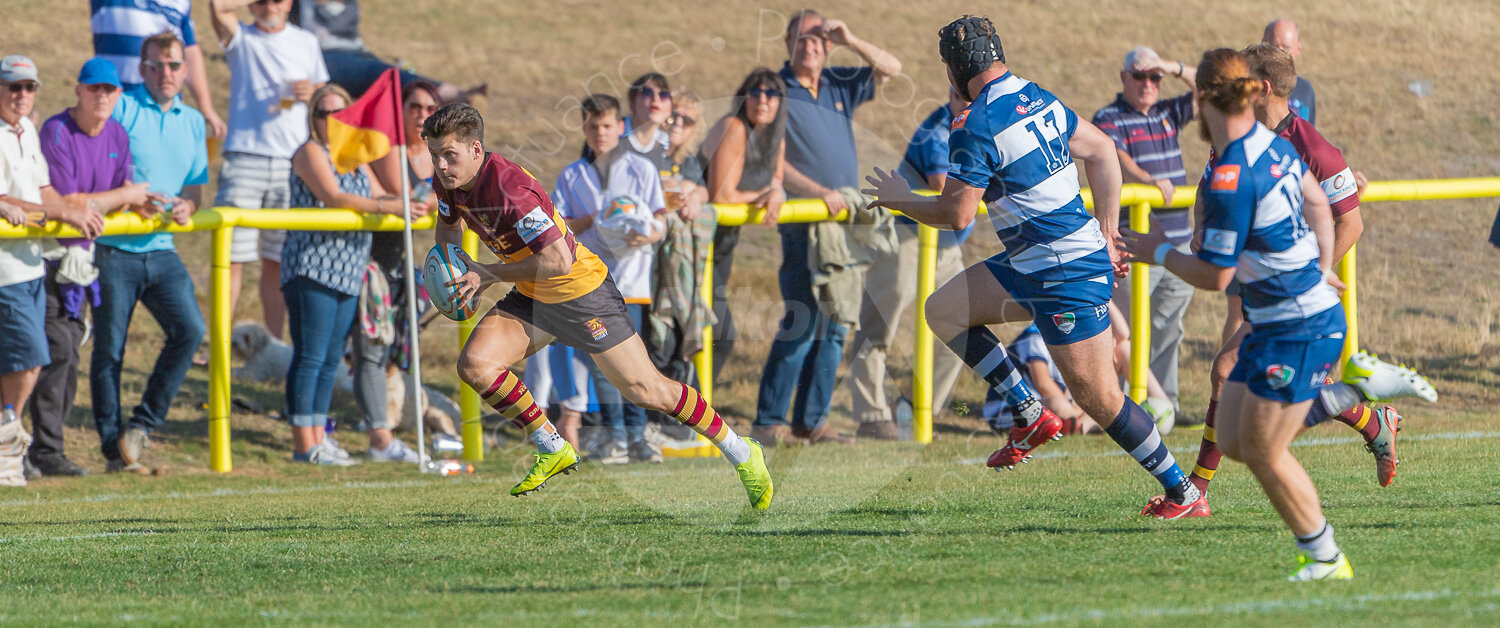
{"points": [[1362, 420], [512, 399], [1208, 451], [693, 411]]}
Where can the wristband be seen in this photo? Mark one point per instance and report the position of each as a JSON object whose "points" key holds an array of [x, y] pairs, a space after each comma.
{"points": [[1180, 68], [1160, 256]]}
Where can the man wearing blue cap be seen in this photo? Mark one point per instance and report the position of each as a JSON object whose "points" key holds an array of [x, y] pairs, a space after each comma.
{"points": [[88, 163]]}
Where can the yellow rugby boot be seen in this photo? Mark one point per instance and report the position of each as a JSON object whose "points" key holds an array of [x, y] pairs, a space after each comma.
{"points": [[562, 461], [756, 477]]}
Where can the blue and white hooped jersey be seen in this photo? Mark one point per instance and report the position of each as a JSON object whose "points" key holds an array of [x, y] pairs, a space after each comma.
{"points": [[1013, 143], [1253, 222]]}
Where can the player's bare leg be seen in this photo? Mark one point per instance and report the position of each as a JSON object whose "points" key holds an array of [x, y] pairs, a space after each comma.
{"points": [[958, 313], [498, 341], [629, 368]]}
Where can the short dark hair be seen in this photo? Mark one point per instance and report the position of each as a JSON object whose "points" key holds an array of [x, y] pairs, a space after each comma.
{"points": [[456, 119], [650, 78], [424, 85], [598, 104], [794, 24], [163, 40]]}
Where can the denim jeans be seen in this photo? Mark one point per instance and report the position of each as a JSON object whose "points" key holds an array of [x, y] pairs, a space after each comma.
{"points": [[158, 280], [625, 421], [320, 318], [807, 348]]}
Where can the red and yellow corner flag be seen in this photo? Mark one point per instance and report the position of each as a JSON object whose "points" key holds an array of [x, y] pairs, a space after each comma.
{"points": [[368, 128]]}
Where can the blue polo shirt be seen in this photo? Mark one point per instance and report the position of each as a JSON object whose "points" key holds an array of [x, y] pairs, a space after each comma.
{"points": [[820, 131], [170, 151], [927, 155]]}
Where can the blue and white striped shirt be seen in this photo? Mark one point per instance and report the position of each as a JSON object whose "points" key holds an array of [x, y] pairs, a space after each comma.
{"points": [[1013, 143], [1253, 223], [121, 26]]}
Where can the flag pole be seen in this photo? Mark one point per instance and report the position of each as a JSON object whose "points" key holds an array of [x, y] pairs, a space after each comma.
{"points": [[410, 276], [411, 314]]}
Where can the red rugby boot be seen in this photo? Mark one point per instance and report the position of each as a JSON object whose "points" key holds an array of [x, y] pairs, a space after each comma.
{"points": [[1025, 440]]}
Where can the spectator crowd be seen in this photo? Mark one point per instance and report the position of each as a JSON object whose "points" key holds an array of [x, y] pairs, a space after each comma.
{"points": [[641, 195]]}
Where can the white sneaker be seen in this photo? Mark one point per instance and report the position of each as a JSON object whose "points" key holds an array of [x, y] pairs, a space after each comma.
{"points": [[334, 449], [321, 456], [1382, 381], [398, 451], [446, 444]]}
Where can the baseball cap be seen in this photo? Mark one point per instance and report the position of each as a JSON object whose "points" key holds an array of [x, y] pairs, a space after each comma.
{"points": [[17, 68], [99, 71], [1140, 53]]}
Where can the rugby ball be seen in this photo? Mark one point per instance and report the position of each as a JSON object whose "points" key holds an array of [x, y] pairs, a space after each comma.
{"points": [[446, 262]]}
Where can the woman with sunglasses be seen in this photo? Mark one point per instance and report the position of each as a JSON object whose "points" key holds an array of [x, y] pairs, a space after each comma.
{"points": [[645, 127], [746, 161], [321, 276]]}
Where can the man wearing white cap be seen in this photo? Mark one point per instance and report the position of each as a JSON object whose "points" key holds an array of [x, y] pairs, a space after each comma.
{"points": [[25, 189], [1145, 130]]}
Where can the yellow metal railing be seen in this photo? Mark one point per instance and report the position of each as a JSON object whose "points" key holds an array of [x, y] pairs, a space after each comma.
{"points": [[1140, 198]]}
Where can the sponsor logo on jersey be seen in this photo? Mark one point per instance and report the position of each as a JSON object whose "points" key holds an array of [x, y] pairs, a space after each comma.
{"points": [[1101, 312], [1226, 177], [1221, 241], [1321, 378], [1278, 376], [958, 122], [533, 224], [443, 209], [1027, 107], [596, 328], [1276, 171], [1065, 322]]}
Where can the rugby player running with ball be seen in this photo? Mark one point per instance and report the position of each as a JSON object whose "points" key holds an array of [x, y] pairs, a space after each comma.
{"points": [[1014, 148], [562, 290]]}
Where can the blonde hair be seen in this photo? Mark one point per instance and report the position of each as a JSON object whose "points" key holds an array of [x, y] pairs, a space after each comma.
{"points": [[688, 101], [1224, 81], [313, 104]]}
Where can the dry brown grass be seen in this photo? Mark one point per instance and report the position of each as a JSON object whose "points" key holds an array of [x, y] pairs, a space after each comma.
{"points": [[1429, 282]]}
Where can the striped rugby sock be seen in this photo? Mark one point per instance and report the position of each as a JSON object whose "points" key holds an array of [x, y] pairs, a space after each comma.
{"points": [[982, 351], [513, 400], [1209, 453], [1135, 432], [1358, 418], [693, 411]]}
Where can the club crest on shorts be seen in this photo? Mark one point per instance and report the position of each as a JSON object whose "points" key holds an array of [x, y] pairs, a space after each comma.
{"points": [[596, 328], [1065, 322], [1278, 376]]}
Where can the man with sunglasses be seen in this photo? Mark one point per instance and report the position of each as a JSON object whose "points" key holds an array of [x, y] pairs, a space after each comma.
{"points": [[168, 150], [25, 185], [1145, 130], [120, 28], [274, 67], [88, 163]]}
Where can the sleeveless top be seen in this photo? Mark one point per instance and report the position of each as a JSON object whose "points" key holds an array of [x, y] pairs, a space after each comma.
{"points": [[755, 176], [334, 259]]}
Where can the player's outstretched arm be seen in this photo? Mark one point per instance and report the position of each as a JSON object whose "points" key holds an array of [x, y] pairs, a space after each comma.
{"points": [[953, 210]]}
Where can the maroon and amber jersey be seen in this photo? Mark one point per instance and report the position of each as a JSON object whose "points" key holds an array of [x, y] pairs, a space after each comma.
{"points": [[514, 217], [1324, 161]]}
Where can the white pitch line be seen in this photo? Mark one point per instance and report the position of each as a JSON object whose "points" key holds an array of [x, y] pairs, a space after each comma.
{"points": [[1306, 442], [222, 492], [1348, 603]]}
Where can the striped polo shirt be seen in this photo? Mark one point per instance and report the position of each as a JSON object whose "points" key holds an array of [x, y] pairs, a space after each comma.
{"points": [[121, 26], [1012, 142], [1149, 138]]}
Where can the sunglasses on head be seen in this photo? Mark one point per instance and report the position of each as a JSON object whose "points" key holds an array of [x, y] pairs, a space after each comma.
{"points": [[1146, 76], [324, 113], [652, 93], [156, 66], [763, 91], [22, 86]]}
